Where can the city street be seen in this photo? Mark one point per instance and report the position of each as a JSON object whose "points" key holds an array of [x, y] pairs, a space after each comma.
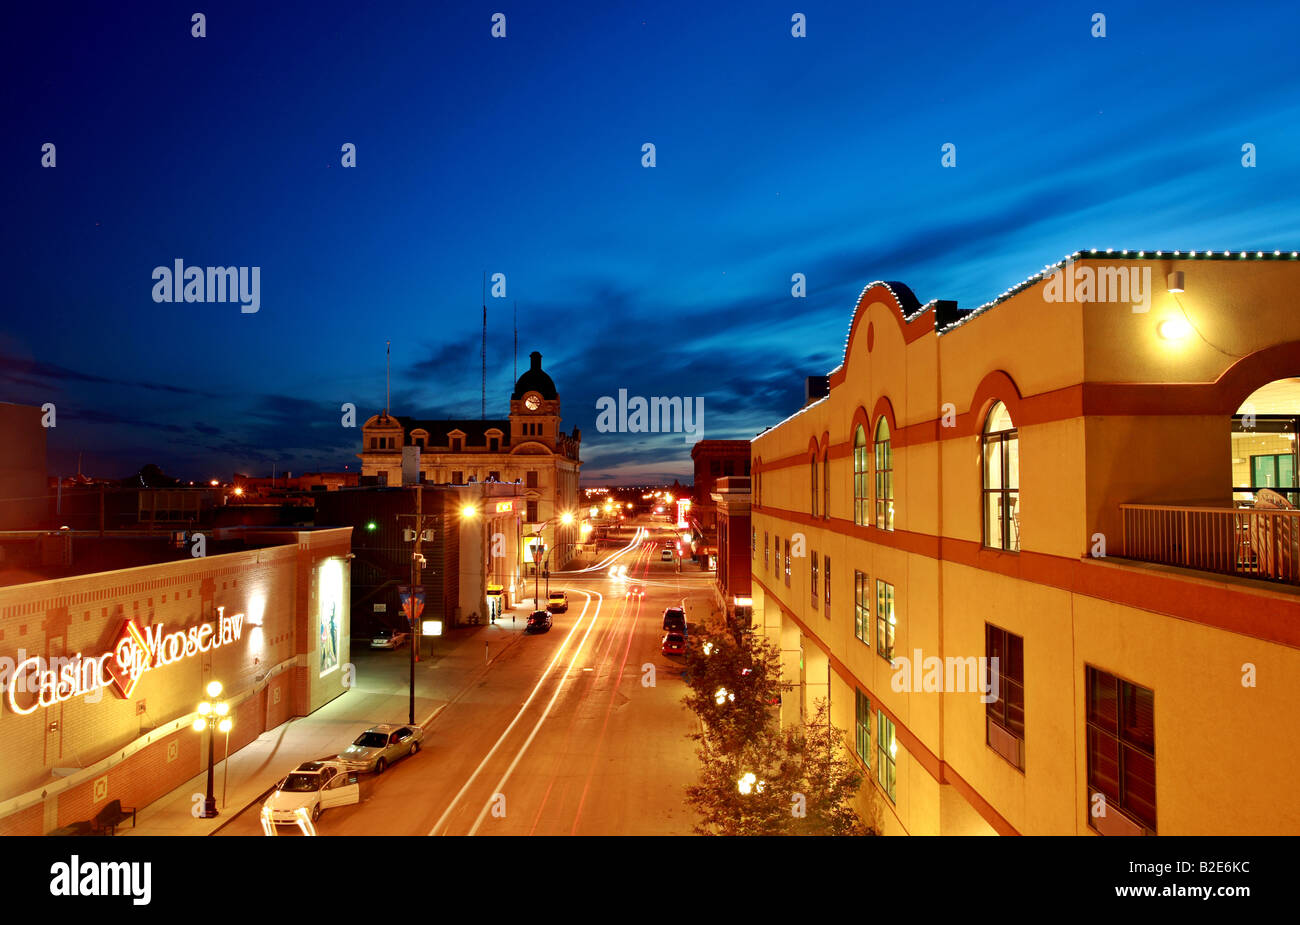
{"points": [[579, 730]]}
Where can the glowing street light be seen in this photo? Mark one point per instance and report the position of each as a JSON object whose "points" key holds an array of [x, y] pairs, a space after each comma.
{"points": [[468, 511], [750, 784], [215, 718], [721, 696]]}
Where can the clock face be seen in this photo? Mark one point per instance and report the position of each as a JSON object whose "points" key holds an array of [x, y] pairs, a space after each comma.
{"points": [[532, 402]]}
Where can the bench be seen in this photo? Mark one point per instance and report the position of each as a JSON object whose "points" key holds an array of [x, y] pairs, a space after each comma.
{"points": [[108, 818]]}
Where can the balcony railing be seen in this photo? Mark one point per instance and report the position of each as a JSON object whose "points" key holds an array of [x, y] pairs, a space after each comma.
{"points": [[1232, 541]]}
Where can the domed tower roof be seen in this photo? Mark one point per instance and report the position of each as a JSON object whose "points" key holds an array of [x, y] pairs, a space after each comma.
{"points": [[534, 380]]}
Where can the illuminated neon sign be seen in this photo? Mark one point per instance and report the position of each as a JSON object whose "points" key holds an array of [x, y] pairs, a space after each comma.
{"points": [[505, 507], [136, 652]]}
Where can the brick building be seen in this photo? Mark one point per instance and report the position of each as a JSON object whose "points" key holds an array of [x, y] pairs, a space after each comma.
{"points": [[265, 612]]}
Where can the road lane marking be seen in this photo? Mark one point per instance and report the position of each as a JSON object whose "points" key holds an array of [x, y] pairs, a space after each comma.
{"points": [[542, 719], [540, 681]]}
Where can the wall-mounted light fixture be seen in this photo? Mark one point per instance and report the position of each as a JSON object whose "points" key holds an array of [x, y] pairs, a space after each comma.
{"points": [[1175, 281], [1173, 329]]}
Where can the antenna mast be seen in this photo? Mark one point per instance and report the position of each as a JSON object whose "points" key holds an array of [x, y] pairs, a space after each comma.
{"points": [[388, 353], [483, 350]]}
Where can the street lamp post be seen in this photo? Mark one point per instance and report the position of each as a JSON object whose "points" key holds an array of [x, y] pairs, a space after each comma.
{"points": [[566, 518], [214, 717]]}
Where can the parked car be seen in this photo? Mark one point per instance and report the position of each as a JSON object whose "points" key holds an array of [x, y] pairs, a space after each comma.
{"points": [[666, 555], [674, 644], [557, 602], [379, 746], [539, 620], [675, 620], [386, 638], [635, 591], [312, 786]]}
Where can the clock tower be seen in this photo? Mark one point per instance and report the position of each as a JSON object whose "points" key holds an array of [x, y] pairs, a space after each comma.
{"points": [[535, 407]]}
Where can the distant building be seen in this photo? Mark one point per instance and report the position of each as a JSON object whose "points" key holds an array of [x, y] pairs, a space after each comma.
{"points": [[735, 543], [250, 489], [22, 468], [528, 447], [713, 459], [473, 562]]}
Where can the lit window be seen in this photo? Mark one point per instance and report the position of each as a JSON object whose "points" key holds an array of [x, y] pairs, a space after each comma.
{"points": [[862, 727], [884, 478], [862, 607], [887, 745], [885, 620], [812, 560], [812, 470], [1001, 462], [861, 479]]}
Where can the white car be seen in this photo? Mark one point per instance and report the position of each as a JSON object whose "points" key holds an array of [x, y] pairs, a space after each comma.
{"points": [[310, 788], [388, 639]]}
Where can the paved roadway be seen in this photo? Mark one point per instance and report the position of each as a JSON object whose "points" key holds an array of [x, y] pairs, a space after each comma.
{"points": [[562, 736]]}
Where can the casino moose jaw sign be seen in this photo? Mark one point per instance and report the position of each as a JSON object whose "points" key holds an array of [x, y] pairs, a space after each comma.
{"points": [[136, 652]]}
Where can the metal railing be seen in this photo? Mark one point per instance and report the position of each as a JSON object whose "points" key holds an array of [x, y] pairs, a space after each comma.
{"points": [[1231, 541]]}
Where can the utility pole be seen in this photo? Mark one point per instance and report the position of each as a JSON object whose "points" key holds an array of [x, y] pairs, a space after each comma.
{"points": [[415, 581]]}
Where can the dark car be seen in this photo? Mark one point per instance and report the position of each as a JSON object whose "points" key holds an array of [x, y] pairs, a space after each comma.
{"points": [[674, 644], [538, 622], [675, 620]]}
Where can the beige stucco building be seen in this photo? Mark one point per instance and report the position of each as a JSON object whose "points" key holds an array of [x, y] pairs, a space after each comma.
{"points": [[1089, 478]]}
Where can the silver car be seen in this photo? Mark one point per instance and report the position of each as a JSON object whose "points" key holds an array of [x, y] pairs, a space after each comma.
{"points": [[379, 746]]}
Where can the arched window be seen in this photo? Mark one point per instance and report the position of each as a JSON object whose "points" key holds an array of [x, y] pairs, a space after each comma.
{"points": [[812, 471], [861, 479], [884, 478], [1001, 461], [826, 485]]}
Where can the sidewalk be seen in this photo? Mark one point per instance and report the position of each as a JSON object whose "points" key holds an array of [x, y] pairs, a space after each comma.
{"points": [[458, 663]]}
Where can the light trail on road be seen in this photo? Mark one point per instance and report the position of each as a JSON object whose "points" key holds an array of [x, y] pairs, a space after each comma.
{"points": [[540, 681]]}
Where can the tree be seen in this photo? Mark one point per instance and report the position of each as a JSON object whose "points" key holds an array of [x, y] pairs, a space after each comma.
{"points": [[734, 683], [830, 778]]}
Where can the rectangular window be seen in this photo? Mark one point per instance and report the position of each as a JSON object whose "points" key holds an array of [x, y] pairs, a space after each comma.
{"points": [[776, 556], [885, 620], [494, 445], [753, 542], [826, 583], [457, 444], [457, 477], [862, 727], [813, 578], [531, 515], [787, 563], [766, 552], [494, 476], [715, 467], [419, 441], [1005, 731], [886, 773], [862, 607], [531, 479], [1122, 746]]}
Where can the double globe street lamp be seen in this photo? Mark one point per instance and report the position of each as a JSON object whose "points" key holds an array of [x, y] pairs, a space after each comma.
{"points": [[214, 717]]}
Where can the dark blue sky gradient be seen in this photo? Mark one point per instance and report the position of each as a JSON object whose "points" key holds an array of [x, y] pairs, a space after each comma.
{"points": [[775, 155]]}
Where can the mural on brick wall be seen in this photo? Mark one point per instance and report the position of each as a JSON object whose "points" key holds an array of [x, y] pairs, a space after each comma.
{"points": [[331, 614]]}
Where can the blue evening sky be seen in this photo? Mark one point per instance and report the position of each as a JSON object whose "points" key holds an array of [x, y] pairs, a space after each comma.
{"points": [[522, 155]]}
